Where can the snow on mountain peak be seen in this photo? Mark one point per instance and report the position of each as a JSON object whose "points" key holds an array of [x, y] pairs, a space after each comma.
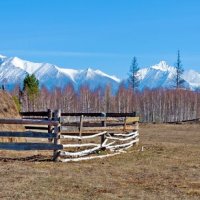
{"points": [[163, 66], [69, 72], [17, 62], [108, 76], [2, 56], [28, 66], [90, 73], [89, 69], [192, 77]]}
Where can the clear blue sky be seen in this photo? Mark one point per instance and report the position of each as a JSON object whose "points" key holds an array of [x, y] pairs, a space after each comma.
{"points": [[102, 34]]}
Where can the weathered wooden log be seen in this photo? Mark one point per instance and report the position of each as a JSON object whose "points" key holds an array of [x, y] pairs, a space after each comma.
{"points": [[28, 121], [42, 113], [104, 143], [50, 116], [132, 119], [79, 145], [80, 153], [91, 120], [85, 152], [89, 132], [76, 133], [123, 145], [36, 128], [82, 137], [57, 129], [110, 128], [84, 114], [122, 150], [122, 139], [100, 114], [71, 125], [27, 134], [88, 158], [36, 118], [92, 130], [30, 146], [125, 134]]}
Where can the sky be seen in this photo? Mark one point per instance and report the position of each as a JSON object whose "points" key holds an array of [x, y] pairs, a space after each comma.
{"points": [[101, 34]]}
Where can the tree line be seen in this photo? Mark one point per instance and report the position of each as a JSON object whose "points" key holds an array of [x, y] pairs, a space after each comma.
{"points": [[158, 105]]}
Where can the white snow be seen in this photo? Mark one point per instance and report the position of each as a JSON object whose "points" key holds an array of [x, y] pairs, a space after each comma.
{"points": [[2, 57], [29, 67], [106, 75], [69, 72], [163, 66], [142, 73], [193, 78]]}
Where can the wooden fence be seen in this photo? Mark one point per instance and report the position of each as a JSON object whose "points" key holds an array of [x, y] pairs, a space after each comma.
{"points": [[38, 123], [95, 135], [75, 136]]}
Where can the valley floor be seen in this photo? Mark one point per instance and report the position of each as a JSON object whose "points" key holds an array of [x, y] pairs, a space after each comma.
{"points": [[168, 168]]}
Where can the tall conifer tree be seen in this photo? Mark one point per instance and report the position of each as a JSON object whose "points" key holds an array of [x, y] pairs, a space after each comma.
{"points": [[133, 75], [179, 81]]}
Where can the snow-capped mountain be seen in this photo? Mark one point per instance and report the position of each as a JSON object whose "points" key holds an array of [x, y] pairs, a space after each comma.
{"points": [[192, 78], [162, 75], [13, 71]]}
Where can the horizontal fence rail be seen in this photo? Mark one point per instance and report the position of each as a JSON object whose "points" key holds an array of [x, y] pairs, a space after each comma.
{"points": [[29, 121], [29, 146], [37, 114], [30, 134], [100, 114]]}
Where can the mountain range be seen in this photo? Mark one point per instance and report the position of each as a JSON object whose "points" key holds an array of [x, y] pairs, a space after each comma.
{"points": [[13, 71]]}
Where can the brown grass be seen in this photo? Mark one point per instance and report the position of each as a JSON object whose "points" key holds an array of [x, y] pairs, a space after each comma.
{"points": [[168, 168], [8, 110]]}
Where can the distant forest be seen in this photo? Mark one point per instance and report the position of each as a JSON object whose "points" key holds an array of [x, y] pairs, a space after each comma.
{"points": [[158, 105]]}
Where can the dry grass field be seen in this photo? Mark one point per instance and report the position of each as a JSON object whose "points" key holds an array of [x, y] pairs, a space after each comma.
{"points": [[168, 168], [8, 110]]}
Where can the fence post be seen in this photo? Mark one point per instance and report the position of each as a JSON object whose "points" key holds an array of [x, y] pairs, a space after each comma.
{"points": [[81, 125], [49, 126], [103, 123], [137, 127], [57, 130], [125, 121], [80, 129]]}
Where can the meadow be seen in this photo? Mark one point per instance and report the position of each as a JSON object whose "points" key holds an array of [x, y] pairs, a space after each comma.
{"points": [[165, 165]]}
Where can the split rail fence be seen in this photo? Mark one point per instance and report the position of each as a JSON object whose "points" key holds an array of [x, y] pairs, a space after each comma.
{"points": [[75, 136]]}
